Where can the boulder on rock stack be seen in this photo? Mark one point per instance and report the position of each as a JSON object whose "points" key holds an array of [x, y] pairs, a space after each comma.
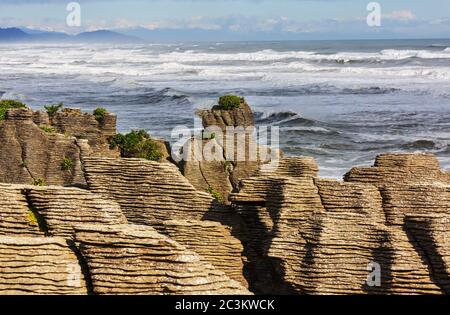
{"points": [[132, 259], [222, 118], [39, 265]]}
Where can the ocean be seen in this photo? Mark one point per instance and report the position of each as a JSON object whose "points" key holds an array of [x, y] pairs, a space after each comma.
{"points": [[342, 102]]}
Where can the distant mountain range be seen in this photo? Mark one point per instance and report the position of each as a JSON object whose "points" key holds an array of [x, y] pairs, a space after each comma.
{"points": [[15, 34]]}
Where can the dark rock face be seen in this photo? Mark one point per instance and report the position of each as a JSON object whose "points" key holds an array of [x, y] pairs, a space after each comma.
{"points": [[27, 153], [33, 148]]}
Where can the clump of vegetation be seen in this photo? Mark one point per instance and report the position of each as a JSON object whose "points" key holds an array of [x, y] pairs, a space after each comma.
{"points": [[209, 136], [24, 164], [229, 102], [67, 164], [36, 219], [32, 217], [137, 144], [47, 129], [99, 114], [52, 109], [5, 105], [39, 182], [215, 194]]}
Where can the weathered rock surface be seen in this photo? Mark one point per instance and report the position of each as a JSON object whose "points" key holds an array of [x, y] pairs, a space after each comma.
{"points": [[212, 241], [33, 147], [16, 217], [323, 236], [64, 208], [238, 117], [150, 192], [400, 169], [259, 203], [27, 153], [232, 155], [131, 259], [39, 265], [286, 231], [431, 235], [84, 126]]}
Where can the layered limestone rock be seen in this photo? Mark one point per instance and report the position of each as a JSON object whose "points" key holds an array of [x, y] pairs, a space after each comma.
{"points": [[28, 153], [131, 259], [399, 169], [229, 153], [431, 235], [401, 267], [327, 237], [242, 116], [411, 185], [39, 265], [149, 192], [64, 208], [212, 241], [84, 126], [286, 231], [408, 199], [16, 216], [259, 203], [205, 173]]}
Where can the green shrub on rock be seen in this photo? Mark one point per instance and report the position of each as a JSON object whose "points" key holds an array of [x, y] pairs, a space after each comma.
{"points": [[5, 105], [99, 114], [229, 102], [67, 164], [39, 182], [215, 194], [47, 129], [53, 109], [137, 144]]}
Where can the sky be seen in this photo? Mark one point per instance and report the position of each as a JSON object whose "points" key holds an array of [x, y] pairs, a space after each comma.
{"points": [[258, 19]]}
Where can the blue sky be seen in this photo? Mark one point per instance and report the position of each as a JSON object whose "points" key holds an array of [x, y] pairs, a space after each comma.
{"points": [[292, 18]]}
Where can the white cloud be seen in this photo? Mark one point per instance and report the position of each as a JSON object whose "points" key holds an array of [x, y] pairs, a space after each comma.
{"points": [[401, 15]]}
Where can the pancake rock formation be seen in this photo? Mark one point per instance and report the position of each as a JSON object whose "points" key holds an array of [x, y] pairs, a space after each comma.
{"points": [[109, 225]]}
